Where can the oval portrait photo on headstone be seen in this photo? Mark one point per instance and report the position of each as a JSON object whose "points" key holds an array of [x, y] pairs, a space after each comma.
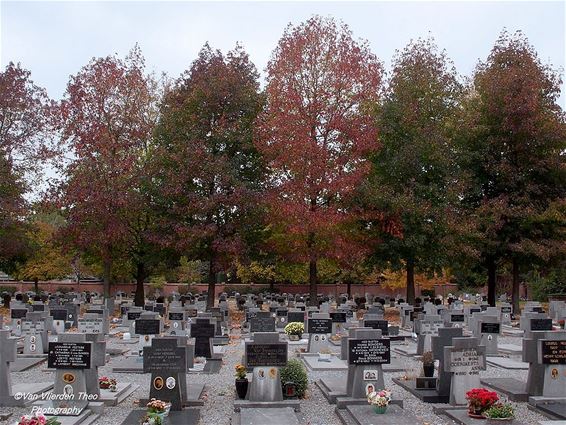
{"points": [[158, 383], [554, 373], [170, 383], [68, 389], [68, 378], [272, 373], [261, 373]]}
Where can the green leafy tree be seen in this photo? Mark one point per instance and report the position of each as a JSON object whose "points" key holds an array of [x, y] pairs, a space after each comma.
{"points": [[207, 170], [413, 171], [511, 153]]}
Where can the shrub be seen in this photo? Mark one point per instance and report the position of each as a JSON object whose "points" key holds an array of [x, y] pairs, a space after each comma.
{"points": [[295, 328], [10, 289], [296, 373], [500, 411]]}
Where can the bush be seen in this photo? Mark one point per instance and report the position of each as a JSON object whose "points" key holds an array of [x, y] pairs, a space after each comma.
{"points": [[64, 289], [543, 285], [10, 289], [296, 373]]}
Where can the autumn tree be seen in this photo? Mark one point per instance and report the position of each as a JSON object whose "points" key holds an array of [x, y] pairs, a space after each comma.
{"points": [[207, 171], [108, 116], [512, 153], [315, 135], [25, 132], [46, 260], [412, 173]]}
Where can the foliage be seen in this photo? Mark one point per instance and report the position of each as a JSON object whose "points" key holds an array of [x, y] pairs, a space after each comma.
{"points": [[207, 171], [541, 286], [10, 289], [314, 135], [46, 260], [500, 411], [189, 271], [412, 173], [255, 272], [107, 119], [295, 328], [509, 152], [296, 373], [158, 282]]}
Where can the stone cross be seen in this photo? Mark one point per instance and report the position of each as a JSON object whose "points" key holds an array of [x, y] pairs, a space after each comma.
{"points": [[203, 332], [7, 356], [71, 356], [464, 360], [443, 339], [535, 376]]}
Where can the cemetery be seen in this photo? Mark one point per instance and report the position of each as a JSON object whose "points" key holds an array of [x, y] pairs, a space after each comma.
{"points": [[282, 213], [308, 371]]}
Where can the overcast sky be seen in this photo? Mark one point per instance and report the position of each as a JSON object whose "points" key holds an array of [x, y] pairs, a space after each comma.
{"points": [[54, 39]]}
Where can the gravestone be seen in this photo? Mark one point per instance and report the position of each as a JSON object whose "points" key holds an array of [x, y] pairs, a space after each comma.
{"points": [[147, 329], [59, 316], [552, 355], [281, 318], [17, 315], [70, 356], [464, 360], [319, 329], [7, 356], [177, 321], [439, 342], [167, 363], [427, 328], [203, 332], [489, 329], [339, 319], [262, 324], [265, 355], [367, 353]]}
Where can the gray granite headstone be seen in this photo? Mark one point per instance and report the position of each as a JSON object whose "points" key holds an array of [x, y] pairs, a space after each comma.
{"points": [[7, 356], [464, 360], [439, 342]]}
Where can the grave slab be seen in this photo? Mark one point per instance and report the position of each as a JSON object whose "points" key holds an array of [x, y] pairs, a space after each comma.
{"points": [[506, 363], [426, 395], [510, 349], [364, 415], [314, 363], [247, 404], [25, 363], [181, 417], [514, 389], [406, 350], [460, 416], [276, 416], [123, 391]]}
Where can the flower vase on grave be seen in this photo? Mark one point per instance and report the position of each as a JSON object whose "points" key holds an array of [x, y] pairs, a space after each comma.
{"points": [[380, 410], [241, 381]]}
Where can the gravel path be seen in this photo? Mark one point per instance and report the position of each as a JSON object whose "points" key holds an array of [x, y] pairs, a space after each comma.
{"points": [[220, 394]]}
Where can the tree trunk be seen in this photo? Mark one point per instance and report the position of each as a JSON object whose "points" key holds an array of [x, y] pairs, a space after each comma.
{"points": [[410, 267], [515, 295], [107, 271], [349, 289], [36, 286], [139, 297], [313, 301], [211, 284], [491, 280]]}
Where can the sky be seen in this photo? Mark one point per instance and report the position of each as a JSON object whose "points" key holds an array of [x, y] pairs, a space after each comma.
{"points": [[55, 39]]}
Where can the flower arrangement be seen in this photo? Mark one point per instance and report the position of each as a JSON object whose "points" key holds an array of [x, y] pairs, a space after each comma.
{"points": [[295, 328], [379, 400], [38, 419], [241, 372], [428, 358], [500, 411], [157, 406], [105, 382], [480, 399]]}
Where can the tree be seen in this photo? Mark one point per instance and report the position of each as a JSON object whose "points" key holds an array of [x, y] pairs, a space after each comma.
{"points": [[24, 135], [207, 170], [315, 135], [412, 173], [46, 260], [512, 153], [108, 116]]}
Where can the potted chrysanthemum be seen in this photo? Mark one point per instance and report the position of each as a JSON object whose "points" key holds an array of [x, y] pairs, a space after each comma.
{"points": [[295, 330], [479, 400], [379, 400], [106, 383], [158, 408], [500, 412]]}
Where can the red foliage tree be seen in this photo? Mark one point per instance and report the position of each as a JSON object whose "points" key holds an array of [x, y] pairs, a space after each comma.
{"points": [[315, 134], [108, 117], [25, 112]]}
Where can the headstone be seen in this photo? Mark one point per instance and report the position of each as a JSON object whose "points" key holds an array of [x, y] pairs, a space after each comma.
{"points": [[552, 354], [7, 356], [203, 332], [439, 342], [464, 360], [167, 363]]}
